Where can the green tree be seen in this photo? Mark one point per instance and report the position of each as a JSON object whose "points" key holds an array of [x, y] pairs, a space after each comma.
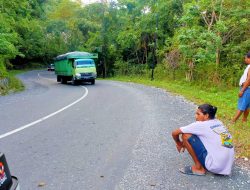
{"points": [[207, 29]]}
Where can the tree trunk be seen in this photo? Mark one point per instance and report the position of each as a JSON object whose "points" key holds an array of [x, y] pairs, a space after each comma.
{"points": [[217, 56], [189, 74], [138, 60], [146, 54]]}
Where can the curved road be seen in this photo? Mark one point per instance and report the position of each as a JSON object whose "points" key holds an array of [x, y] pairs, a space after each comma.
{"points": [[111, 135]]}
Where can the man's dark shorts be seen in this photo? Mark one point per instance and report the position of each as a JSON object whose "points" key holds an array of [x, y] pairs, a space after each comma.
{"points": [[244, 101], [199, 149]]}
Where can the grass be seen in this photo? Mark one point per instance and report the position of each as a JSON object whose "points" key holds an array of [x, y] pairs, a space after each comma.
{"points": [[224, 99], [14, 84]]}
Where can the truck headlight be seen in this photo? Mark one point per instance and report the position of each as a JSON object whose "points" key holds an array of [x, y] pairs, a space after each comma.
{"points": [[78, 75]]}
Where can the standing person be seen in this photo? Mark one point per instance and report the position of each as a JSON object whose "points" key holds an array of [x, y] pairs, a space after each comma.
{"points": [[244, 94], [208, 142]]}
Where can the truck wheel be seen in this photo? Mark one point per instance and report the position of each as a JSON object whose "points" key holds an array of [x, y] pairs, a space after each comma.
{"points": [[93, 81], [74, 82], [63, 80], [58, 79]]}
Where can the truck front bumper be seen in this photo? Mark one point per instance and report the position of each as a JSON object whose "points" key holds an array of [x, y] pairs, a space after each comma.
{"points": [[86, 77]]}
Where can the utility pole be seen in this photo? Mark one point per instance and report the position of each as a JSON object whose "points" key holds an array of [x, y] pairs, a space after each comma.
{"points": [[104, 48], [155, 42]]}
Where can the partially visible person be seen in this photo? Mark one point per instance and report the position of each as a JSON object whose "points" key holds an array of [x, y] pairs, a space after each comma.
{"points": [[244, 94], [208, 142]]}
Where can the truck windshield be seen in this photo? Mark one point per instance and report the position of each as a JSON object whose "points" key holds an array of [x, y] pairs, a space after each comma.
{"points": [[85, 63]]}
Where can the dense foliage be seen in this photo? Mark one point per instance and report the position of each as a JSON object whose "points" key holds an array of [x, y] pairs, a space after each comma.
{"points": [[182, 40]]}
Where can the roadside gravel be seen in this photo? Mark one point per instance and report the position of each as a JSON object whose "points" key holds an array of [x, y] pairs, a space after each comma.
{"points": [[156, 162]]}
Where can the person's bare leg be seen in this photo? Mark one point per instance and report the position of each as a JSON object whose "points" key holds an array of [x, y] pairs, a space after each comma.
{"points": [[197, 167], [237, 115], [245, 115]]}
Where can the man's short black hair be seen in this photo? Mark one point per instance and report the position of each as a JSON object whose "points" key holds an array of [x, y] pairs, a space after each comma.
{"points": [[208, 109], [248, 55]]}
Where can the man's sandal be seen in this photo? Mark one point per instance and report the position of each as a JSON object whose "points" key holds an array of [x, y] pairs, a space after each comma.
{"points": [[188, 170]]}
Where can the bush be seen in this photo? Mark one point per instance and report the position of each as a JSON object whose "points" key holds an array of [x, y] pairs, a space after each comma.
{"points": [[210, 76], [10, 84], [130, 69], [3, 72]]}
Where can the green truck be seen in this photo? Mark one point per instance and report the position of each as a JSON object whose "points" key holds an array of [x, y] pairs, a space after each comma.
{"points": [[76, 67]]}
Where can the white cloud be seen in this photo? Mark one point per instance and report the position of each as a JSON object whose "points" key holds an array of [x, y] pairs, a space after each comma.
{"points": [[93, 1], [90, 1]]}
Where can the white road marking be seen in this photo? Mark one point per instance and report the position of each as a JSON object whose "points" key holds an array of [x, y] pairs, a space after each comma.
{"points": [[44, 118]]}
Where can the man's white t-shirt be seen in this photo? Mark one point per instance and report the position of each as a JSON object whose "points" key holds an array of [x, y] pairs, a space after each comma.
{"points": [[244, 76], [220, 153]]}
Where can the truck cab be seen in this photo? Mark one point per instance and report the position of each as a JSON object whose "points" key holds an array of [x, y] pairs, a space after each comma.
{"points": [[84, 70]]}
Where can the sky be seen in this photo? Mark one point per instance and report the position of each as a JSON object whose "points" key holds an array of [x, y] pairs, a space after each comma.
{"points": [[90, 1]]}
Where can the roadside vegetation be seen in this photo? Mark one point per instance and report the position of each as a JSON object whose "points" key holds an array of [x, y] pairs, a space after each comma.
{"points": [[10, 84], [193, 48]]}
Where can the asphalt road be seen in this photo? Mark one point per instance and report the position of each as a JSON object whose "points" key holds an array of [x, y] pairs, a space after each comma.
{"points": [[107, 136]]}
